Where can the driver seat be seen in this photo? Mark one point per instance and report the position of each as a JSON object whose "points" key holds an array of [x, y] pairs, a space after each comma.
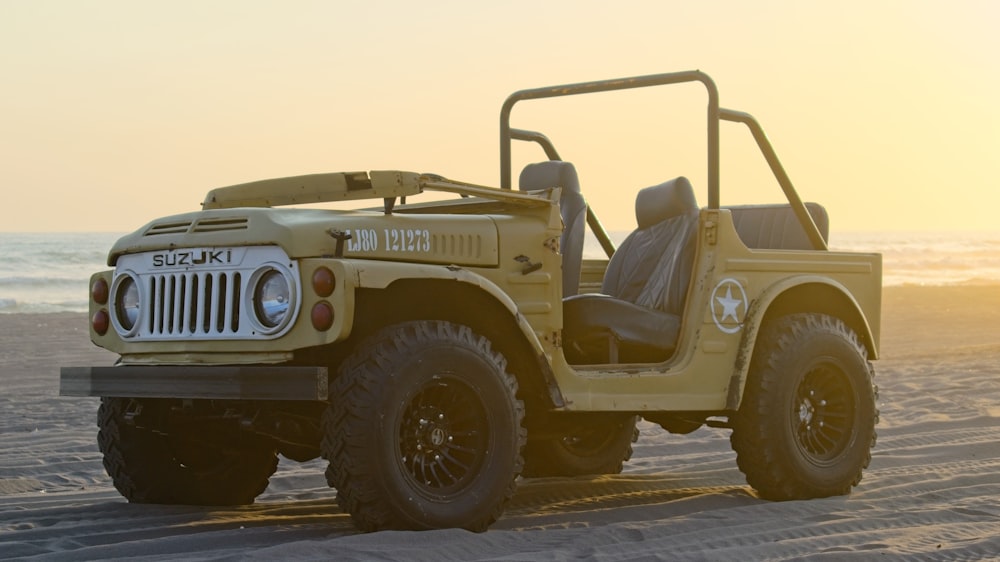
{"points": [[572, 206], [637, 316]]}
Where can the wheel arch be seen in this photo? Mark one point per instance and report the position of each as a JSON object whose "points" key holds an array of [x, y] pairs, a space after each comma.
{"points": [[791, 296], [463, 297]]}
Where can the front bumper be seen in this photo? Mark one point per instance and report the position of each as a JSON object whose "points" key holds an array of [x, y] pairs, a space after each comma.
{"points": [[236, 382]]}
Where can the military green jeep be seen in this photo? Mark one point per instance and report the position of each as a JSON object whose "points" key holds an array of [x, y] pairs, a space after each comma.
{"points": [[435, 349]]}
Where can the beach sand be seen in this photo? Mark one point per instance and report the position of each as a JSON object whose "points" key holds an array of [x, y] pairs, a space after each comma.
{"points": [[930, 491]]}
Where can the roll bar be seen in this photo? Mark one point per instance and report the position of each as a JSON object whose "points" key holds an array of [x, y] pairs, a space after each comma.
{"points": [[714, 115]]}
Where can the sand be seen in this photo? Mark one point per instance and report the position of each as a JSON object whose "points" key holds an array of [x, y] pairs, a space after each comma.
{"points": [[931, 491]]}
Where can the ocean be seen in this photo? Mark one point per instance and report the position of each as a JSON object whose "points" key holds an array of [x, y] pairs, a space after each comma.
{"points": [[50, 272]]}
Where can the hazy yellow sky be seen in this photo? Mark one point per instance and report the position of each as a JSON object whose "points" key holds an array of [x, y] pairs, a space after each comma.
{"points": [[116, 112]]}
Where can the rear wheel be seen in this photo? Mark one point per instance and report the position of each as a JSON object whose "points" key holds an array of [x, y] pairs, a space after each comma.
{"points": [[598, 444], [424, 430], [807, 422], [151, 460]]}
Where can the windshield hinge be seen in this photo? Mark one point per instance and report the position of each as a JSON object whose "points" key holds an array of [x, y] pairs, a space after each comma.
{"points": [[712, 229]]}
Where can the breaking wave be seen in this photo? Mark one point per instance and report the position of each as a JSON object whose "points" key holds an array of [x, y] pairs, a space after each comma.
{"points": [[42, 272]]}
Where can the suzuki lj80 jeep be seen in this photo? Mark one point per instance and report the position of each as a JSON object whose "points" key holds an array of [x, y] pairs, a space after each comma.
{"points": [[434, 350]]}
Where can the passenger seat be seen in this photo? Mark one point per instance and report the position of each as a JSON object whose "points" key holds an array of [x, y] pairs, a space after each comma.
{"points": [[637, 316]]}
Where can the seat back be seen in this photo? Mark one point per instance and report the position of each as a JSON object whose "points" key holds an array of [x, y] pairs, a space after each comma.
{"points": [[775, 227], [652, 267], [573, 208]]}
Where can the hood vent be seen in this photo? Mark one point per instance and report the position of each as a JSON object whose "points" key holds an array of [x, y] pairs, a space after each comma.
{"points": [[457, 247], [168, 228], [219, 224], [212, 224]]}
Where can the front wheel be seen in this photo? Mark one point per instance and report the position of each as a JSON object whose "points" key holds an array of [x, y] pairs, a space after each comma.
{"points": [[806, 425], [424, 430], [152, 460]]}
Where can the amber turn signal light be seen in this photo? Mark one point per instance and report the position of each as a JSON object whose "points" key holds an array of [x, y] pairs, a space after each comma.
{"points": [[322, 316], [101, 321], [99, 292], [323, 282]]}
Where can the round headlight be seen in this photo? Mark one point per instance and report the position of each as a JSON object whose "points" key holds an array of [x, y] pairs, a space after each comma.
{"points": [[127, 303], [271, 298]]}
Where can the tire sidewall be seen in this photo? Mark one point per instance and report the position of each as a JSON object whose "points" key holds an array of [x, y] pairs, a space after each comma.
{"points": [[409, 374], [812, 349], [145, 468]]}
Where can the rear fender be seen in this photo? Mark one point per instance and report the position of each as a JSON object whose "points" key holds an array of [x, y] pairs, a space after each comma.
{"points": [[795, 295]]}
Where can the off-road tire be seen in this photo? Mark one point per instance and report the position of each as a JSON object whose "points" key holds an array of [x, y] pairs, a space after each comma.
{"points": [[424, 430], [149, 466], [598, 446], [806, 425]]}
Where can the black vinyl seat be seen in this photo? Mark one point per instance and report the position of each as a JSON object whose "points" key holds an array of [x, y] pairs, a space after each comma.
{"points": [[775, 227], [572, 206], [637, 316]]}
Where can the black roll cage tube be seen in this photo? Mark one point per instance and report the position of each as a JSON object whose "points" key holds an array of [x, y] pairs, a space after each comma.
{"points": [[715, 114]]}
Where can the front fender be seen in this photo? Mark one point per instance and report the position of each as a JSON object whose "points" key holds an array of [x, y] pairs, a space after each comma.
{"points": [[380, 275]]}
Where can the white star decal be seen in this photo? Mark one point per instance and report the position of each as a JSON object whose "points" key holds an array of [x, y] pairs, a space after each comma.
{"points": [[729, 305], [728, 308]]}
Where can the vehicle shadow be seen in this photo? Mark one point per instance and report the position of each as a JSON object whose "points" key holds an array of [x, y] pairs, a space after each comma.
{"points": [[601, 500], [80, 527]]}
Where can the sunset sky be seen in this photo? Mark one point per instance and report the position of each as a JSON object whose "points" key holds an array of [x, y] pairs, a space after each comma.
{"points": [[116, 112]]}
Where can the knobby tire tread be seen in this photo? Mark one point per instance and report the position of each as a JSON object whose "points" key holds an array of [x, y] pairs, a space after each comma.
{"points": [[758, 450], [355, 392]]}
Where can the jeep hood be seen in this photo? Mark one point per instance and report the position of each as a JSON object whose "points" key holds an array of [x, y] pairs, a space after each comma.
{"points": [[253, 214], [469, 240]]}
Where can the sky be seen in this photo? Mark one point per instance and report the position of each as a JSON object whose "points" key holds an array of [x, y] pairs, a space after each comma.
{"points": [[117, 112]]}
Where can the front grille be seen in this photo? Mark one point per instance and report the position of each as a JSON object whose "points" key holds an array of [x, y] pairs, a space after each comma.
{"points": [[202, 293], [198, 304]]}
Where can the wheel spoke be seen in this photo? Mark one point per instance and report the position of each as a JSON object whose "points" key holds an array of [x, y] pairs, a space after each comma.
{"points": [[823, 412], [442, 433], [463, 449], [444, 468]]}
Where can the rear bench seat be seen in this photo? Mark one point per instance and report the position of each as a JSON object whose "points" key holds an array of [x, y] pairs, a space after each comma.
{"points": [[775, 227]]}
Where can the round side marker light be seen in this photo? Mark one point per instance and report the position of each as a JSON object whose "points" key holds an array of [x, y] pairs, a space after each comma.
{"points": [[324, 282], [99, 291], [101, 321], [322, 316]]}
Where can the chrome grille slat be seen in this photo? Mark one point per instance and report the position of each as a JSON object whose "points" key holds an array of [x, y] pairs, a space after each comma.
{"points": [[178, 309], [213, 305], [157, 294], [198, 299], [227, 304], [189, 302]]}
